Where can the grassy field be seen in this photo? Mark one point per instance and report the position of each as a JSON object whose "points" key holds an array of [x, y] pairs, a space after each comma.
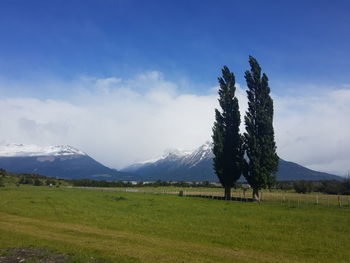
{"points": [[146, 227], [288, 198]]}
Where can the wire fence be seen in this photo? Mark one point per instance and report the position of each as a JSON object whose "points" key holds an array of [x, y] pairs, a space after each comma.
{"points": [[283, 198]]}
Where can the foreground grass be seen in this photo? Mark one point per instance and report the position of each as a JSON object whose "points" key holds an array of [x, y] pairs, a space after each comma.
{"points": [[139, 227]]}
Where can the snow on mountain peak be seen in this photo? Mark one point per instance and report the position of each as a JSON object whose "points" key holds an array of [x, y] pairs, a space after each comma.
{"points": [[189, 158], [201, 153], [175, 152], [27, 150], [208, 145]]}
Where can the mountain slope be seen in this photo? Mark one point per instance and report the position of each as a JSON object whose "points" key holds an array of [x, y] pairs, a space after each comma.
{"points": [[61, 161], [198, 166]]}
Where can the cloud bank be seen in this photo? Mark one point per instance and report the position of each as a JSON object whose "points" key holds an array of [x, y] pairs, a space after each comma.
{"points": [[119, 122]]}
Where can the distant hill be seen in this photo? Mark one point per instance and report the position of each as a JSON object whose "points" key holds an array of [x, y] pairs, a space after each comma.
{"points": [[61, 161], [197, 166], [67, 162]]}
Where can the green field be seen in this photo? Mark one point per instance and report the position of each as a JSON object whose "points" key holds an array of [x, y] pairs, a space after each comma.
{"points": [[146, 227]]}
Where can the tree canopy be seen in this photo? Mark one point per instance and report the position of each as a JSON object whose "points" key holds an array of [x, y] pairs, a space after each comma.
{"points": [[259, 139], [227, 141]]}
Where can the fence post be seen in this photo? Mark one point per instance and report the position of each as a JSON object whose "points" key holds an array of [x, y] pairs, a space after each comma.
{"points": [[316, 199], [339, 201]]}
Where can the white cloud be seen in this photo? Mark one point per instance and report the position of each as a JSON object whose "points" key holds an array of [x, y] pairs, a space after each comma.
{"points": [[116, 121], [119, 122], [313, 130]]}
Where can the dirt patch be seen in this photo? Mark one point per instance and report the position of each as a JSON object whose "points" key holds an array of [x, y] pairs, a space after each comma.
{"points": [[28, 254]]}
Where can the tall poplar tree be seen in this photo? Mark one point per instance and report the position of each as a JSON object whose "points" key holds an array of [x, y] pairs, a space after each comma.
{"points": [[227, 141], [259, 139]]}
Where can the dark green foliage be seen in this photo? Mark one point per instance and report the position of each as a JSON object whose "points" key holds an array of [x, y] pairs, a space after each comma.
{"points": [[158, 183], [3, 172], [303, 187], [328, 187], [95, 183], [25, 180], [227, 148], [2, 184], [30, 179], [259, 141], [286, 185], [50, 182], [139, 184], [336, 187], [346, 186], [37, 182]]}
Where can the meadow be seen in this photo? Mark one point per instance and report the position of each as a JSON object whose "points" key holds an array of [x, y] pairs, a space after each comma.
{"points": [[148, 227]]}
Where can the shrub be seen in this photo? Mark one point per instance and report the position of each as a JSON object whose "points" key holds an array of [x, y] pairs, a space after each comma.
{"points": [[331, 187], [285, 186], [25, 180], [302, 187], [50, 182], [2, 184], [37, 182], [346, 186]]}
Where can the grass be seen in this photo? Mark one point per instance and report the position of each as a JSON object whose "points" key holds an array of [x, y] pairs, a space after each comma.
{"points": [[145, 227], [289, 198]]}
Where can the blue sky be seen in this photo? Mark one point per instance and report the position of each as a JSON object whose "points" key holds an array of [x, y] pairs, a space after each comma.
{"points": [[295, 41], [124, 80]]}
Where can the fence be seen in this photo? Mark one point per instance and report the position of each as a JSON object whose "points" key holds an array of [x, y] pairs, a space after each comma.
{"points": [[283, 198]]}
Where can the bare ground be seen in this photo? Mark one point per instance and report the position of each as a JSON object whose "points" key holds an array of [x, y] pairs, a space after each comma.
{"points": [[28, 254]]}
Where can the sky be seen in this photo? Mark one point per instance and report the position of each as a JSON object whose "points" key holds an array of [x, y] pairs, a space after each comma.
{"points": [[126, 80]]}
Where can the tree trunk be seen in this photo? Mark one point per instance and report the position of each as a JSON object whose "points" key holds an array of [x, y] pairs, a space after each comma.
{"points": [[227, 193], [256, 195]]}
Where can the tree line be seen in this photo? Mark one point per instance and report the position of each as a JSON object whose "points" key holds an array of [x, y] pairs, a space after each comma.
{"points": [[332, 187], [302, 186], [29, 179], [158, 183], [253, 153]]}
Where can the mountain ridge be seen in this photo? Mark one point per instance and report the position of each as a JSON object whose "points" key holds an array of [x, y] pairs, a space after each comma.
{"points": [[197, 166], [26, 150], [67, 162], [63, 161]]}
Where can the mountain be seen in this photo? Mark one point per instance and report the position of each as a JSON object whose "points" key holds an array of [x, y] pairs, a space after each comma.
{"points": [[61, 161], [198, 166], [64, 161]]}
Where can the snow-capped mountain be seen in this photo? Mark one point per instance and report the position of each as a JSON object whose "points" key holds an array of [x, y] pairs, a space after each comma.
{"points": [[67, 162], [177, 166], [201, 154], [198, 166], [26, 150], [61, 161]]}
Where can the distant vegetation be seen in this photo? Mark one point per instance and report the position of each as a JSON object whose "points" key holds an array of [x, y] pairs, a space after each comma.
{"points": [[328, 187], [28, 179], [93, 183]]}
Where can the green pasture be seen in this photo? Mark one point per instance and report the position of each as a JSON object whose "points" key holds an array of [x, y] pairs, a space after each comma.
{"points": [[274, 196], [147, 227]]}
